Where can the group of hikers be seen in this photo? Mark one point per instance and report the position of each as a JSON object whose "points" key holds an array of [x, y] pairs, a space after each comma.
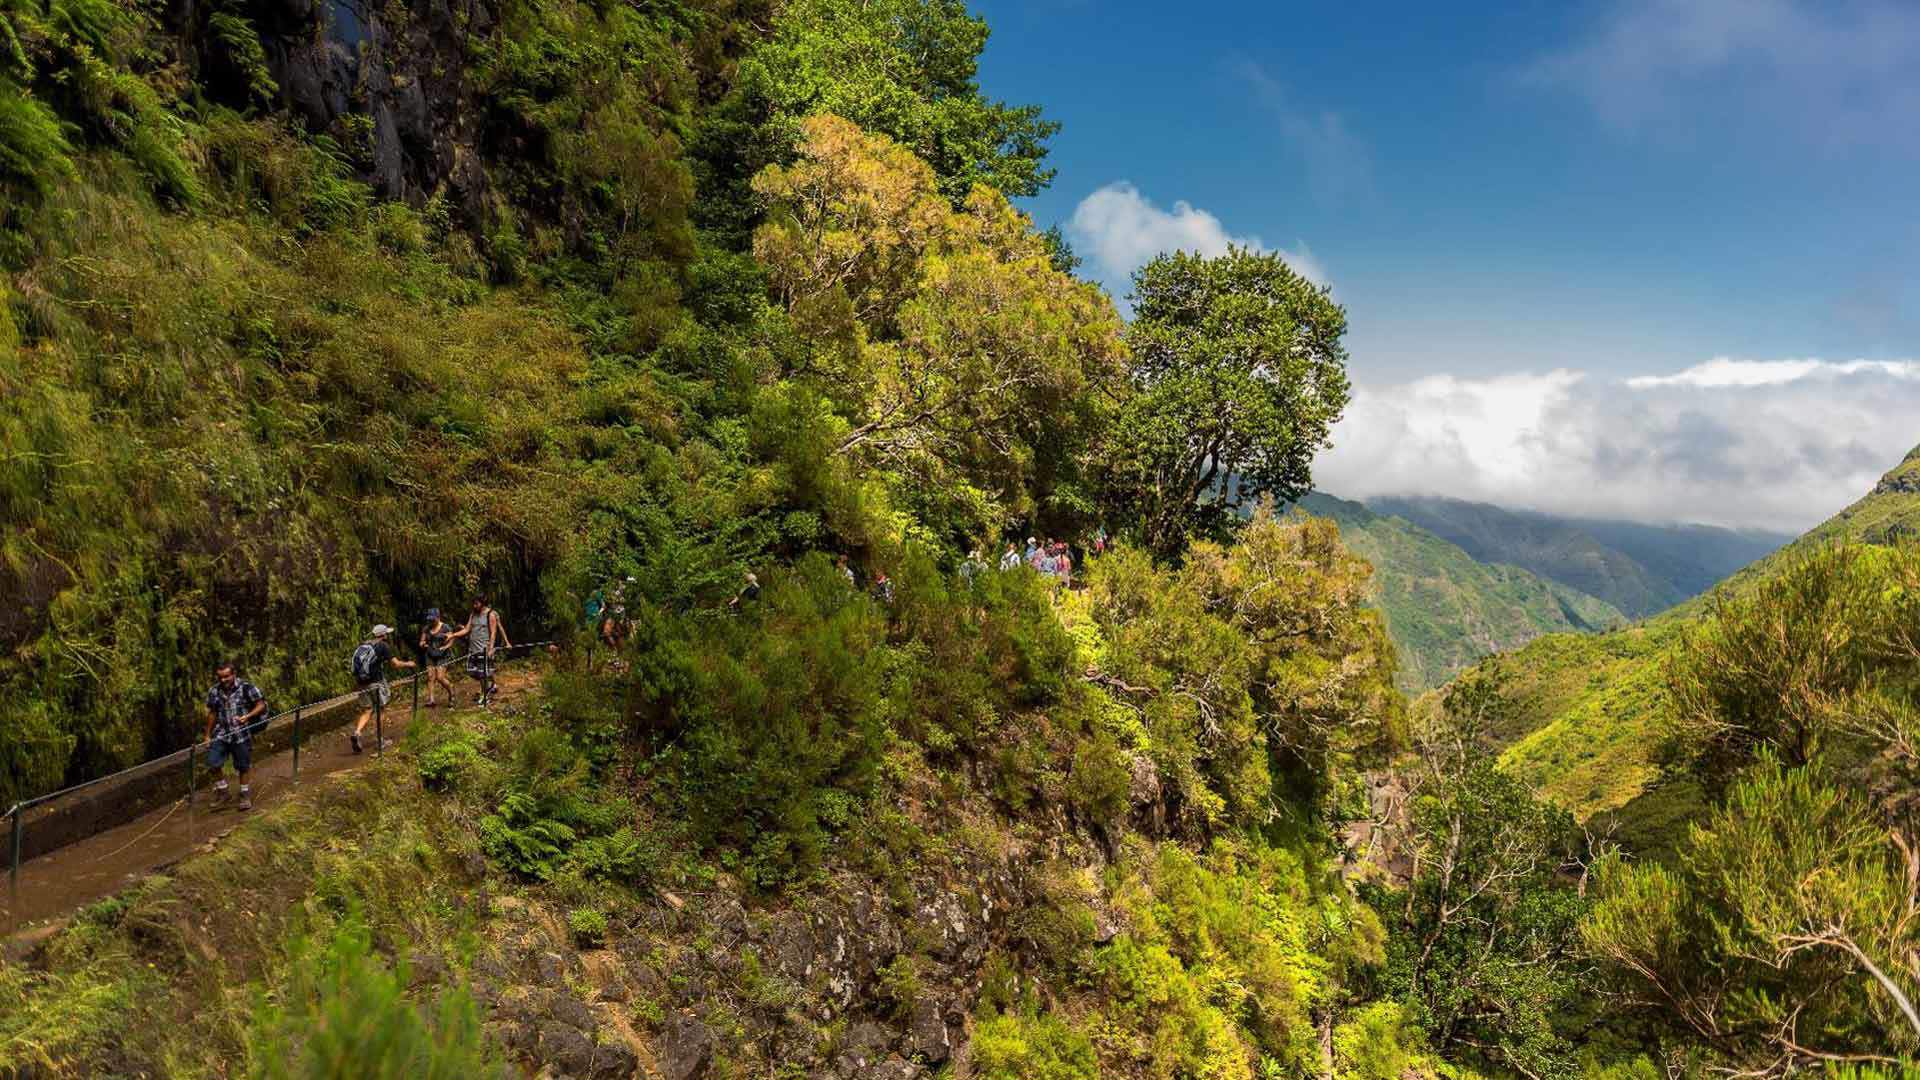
{"points": [[1052, 558], [236, 709]]}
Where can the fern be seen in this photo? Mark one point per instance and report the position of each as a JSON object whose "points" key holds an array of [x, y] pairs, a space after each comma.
{"points": [[236, 34], [33, 143]]}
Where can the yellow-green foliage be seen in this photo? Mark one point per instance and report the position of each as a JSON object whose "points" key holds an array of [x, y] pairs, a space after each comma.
{"points": [[1014, 1047], [344, 1015], [1784, 920], [48, 1018], [1592, 709], [1788, 907], [1227, 958], [1605, 696], [1224, 964], [960, 358], [1249, 660], [1380, 1041]]}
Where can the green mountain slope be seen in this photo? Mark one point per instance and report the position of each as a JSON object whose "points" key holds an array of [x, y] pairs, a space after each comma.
{"points": [[1640, 569], [1590, 706], [1444, 609], [1692, 558]]}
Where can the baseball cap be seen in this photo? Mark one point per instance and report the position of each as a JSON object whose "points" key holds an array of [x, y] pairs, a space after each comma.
{"points": [[381, 629]]}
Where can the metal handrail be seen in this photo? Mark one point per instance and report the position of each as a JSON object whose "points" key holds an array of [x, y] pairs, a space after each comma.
{"points": [[192, 750]]}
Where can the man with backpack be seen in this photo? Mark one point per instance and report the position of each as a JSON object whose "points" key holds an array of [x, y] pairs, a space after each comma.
{"points": [[1011, 560], [485, 634], [370, 663], [232, 707]]}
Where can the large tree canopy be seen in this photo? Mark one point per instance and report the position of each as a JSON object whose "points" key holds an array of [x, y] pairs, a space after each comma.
{"points": [[902, 68], [962, 361], [1238, 375]]}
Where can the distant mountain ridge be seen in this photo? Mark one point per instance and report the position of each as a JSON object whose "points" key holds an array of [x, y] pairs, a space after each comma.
{"points": [[1640, 569], [1589, 705], [1445, 609]]}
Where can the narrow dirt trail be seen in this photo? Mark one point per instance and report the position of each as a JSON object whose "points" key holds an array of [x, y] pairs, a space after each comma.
{"points": [[61, 882]]}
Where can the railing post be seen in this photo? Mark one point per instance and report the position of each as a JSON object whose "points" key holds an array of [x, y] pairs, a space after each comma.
{"points": [[192, 753], [296, 742], [379, 726], [417, 676], [13, 872]]}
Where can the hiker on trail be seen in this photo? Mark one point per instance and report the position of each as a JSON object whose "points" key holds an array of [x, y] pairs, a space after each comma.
{"points": [[1100, 540], [436, 644], [614, 627], [1033, 552], [370, 663], [233, 705], [883, 588], [485, 635], [845, 571], [1064, 566], [1011, 560], [971, 569], [749, 592]]}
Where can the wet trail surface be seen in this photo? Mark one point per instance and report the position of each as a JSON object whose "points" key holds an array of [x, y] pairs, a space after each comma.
{"points": [[61, 882]]}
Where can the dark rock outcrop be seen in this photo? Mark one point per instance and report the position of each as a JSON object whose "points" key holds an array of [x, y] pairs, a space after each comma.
{"points": [[685, 1048], [390, 83]]}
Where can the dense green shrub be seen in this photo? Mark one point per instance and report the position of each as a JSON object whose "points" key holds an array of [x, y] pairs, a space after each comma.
{"points": [[1044, 1047], [781, 711], [345, 1013]]}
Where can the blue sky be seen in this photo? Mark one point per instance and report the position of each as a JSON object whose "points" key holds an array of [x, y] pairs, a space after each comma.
{"points": [[1612, 190]]}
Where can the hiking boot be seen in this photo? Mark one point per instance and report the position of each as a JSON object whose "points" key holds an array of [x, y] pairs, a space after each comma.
{"points": [[354, 738], [246, 801], [221, 797]]}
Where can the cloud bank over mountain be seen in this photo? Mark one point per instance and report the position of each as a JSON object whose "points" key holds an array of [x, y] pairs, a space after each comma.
{"points": [[1742, 443]]}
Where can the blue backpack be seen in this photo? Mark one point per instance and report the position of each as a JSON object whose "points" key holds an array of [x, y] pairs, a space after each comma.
{"points": [[365, 663]]}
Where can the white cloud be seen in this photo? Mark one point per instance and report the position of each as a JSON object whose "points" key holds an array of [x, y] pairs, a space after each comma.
{"points": [[1831, 72], [1119, 230], [1780, 444], [1722, 372]]}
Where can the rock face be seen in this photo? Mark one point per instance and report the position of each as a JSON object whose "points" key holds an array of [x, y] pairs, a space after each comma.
{"points": [[854, 981], [685, 1049], [1904, 480], [396, 98]]}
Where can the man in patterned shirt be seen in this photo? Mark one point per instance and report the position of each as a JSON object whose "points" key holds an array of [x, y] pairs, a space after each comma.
{"points": [[233, 705]]}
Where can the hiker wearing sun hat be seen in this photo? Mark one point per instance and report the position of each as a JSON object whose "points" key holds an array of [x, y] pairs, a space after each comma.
{"points": [[370, 663]]}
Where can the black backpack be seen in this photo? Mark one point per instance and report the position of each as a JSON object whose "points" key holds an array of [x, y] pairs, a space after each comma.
{"points": [[366, 663]]}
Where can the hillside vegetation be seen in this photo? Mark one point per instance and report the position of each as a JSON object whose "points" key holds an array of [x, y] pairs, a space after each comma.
{"points": [[319, 314], [1587, 729], [1444, 608]]}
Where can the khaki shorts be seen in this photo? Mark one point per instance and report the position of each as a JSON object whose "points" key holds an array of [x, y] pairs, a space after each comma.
{"points": [[376, 696]]}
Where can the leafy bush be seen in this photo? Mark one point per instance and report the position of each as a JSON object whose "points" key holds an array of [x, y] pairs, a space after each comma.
{"points": [[1044, 1047], [1378, 1042], [345, 1014], [780, 714], [588, 926]]}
